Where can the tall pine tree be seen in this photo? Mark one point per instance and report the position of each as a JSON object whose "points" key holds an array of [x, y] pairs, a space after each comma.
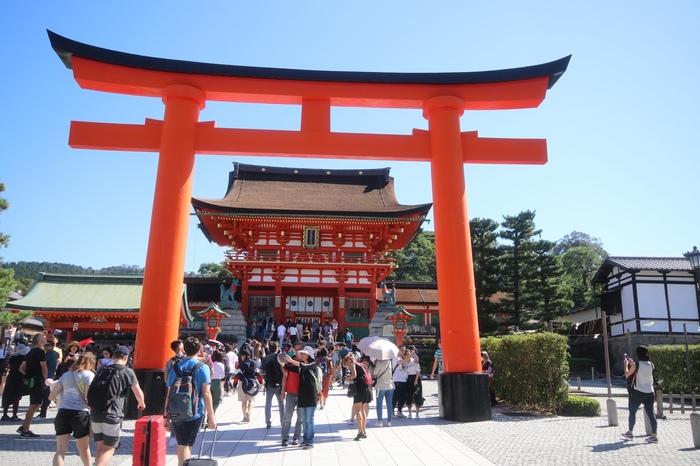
{"points": [[518, 266], [485, 255], [546, 293]]}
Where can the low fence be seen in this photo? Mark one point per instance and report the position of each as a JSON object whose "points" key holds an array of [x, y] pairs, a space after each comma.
{"points": [[670, 399]]}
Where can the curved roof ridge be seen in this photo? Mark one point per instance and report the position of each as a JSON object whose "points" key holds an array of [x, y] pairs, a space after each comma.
{"points": [[67, 48]]}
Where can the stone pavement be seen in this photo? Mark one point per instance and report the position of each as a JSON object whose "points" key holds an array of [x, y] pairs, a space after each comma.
{"points": [[512, 437]]}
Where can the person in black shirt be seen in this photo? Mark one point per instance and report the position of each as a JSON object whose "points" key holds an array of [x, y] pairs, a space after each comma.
{"points": [[34, 367], [273, 384]]}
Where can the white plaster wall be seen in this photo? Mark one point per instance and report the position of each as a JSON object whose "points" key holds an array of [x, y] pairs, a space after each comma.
{"points": [[652, 301], [683, 303]]}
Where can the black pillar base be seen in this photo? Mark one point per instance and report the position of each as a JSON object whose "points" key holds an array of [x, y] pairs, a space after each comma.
{"points": [[464, 397], [154, 392]]}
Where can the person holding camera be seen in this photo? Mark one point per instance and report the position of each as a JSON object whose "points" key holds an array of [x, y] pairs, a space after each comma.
{"points": [[641, 391]]}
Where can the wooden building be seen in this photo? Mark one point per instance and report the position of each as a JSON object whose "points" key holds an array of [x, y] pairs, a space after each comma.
{"points": [[309, 243]]}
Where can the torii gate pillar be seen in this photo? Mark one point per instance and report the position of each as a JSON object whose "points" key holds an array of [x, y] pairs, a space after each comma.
{"points": [[463, 388]]}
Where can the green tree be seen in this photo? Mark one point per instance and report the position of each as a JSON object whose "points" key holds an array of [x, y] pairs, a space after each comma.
{"points": [[486, 257], [4, 205], [7, 281], [416, 262], [580, 264], [576, 239], [582, 256], [518, 265], [212, 269], [546, 293]]}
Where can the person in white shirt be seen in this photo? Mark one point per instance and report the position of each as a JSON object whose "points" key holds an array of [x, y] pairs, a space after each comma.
{"points": [[281, 332], [293, 331], [399, 378], [642, 392]]}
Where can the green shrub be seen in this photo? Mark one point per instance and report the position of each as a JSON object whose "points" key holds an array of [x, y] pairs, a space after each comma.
{"points": [[671, 368], [531, 369], [580, 406], [581, 364]]}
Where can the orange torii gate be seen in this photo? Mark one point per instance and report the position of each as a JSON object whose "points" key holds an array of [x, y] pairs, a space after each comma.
{"points": [[185, 87]]}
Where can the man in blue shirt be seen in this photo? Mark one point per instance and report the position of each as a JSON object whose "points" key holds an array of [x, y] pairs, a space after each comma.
{"points": [[186, 431]]}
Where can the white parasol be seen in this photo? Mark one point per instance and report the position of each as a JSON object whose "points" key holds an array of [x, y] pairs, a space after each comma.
{"points": [[378, 348]]}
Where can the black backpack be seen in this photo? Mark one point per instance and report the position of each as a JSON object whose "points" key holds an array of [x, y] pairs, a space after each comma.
{"points": [[107, 387], [183, 396]]}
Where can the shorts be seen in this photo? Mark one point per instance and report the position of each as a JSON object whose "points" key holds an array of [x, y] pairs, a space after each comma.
{"points": [[72, 421], [36, 393], [107, 429], [243, 396], [186, 431]]}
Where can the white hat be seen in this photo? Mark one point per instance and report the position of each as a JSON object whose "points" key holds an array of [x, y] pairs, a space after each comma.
{"points": [[21, 350], [308, 350]]}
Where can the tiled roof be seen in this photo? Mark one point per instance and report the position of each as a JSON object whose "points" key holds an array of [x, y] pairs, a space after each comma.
{"points": [[259, 189], [416, 296], [667, 264], [651, 263], [82, 292]]}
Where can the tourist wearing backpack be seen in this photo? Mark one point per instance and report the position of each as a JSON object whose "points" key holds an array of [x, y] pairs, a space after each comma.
{"points": [[250, 379], [186, 430], [106, 400], [309, 388]]}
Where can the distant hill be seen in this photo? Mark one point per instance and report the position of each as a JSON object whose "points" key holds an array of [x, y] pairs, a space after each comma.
{"points": [[31, 270]]}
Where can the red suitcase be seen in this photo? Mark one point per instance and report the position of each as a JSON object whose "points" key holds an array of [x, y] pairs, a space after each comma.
{"points": [[149, 441]]}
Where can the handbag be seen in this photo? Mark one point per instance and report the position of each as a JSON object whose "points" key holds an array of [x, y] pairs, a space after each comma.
{"points": [[24, 388], [352, 390], [375, 379]]}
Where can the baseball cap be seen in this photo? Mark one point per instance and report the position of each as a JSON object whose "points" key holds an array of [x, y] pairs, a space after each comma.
{"points": [[121, 350]]}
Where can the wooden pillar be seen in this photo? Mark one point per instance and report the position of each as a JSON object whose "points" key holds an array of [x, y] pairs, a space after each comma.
{"points": [[463, 393], [161, 301], [455, 271]]}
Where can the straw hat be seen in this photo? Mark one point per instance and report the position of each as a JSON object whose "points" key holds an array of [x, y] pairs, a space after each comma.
{"points": [[71, 344]]}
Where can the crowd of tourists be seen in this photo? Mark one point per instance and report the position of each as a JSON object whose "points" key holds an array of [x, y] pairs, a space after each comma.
{"points": [[296, 374]]}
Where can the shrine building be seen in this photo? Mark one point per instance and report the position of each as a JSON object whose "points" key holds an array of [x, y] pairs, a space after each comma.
{"points": [[309, 243]]}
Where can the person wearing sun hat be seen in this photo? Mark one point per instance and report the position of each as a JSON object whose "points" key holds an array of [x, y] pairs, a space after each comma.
{"points": [[73, 347]]}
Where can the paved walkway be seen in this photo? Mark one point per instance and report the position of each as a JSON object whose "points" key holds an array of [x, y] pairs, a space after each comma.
{"points": [[511, 438]]}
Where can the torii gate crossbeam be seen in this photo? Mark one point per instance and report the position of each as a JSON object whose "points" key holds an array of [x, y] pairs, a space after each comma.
{"points": [[185, 87]]}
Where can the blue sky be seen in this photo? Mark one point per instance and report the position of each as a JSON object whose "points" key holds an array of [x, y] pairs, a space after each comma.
{"points": [[621, 124]]}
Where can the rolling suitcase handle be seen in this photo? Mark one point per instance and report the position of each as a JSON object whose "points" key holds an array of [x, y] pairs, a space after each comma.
{"points": [[204, 438]]}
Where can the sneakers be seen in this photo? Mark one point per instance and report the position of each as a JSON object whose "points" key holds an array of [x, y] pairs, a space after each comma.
{"points": [[379, 424], [5, 418], [652, 439], [295, 441], [627, 435], [29, 434], [388, 424], [417, 415], [303, 444], [285, 443], [410, 416], [16, 419], [246, 418], [19, 430], [400, 415], [358, 437], [308, 446], [267, 426], [364, 434]]}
